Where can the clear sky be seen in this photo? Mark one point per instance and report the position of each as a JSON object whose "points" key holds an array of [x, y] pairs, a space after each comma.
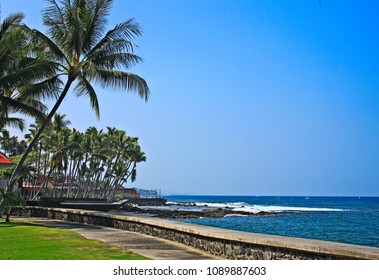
{"points": [[249, 97]]}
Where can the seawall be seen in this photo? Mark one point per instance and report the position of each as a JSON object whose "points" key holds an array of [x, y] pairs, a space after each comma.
{"points": [[221, 242]]}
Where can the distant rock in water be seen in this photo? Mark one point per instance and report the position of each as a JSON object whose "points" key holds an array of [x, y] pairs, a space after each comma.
{"points": [[183, 214]]}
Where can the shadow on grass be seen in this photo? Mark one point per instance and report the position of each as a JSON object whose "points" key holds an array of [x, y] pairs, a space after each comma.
{"points": [[14, 223], [47, 224]]}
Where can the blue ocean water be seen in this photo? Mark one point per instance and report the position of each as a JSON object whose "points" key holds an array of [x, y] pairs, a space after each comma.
{"points": [[353, 220]]}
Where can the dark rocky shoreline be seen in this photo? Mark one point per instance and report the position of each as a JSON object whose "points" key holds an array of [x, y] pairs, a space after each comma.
{"points": [[183, 214]]}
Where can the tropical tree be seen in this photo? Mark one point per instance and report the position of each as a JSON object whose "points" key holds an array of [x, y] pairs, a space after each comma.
{"points": [[77, 46], [71, 164], [10, 145], [8, 201], [17, 68], [45, 158]]}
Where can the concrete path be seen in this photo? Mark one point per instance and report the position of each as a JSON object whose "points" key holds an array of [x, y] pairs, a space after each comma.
{"points": [[148, 246]]}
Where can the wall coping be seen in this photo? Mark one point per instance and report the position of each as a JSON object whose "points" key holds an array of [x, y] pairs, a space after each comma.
{"points": [[292, 243]]}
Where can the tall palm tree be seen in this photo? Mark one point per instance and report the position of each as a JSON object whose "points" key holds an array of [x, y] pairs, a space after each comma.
{"points": [[16, 70], [85, 54]]}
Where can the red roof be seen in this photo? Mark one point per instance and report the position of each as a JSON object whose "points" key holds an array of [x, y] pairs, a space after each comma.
{"points": [[4, 159]]}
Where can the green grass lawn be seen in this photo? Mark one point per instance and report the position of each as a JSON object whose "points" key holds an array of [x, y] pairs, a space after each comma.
{"points": [[26, 241]]}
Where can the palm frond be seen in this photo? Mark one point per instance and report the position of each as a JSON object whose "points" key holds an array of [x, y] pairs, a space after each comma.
{"points": [[98, 22], [12, 43], [17, 106], [34, 103], [126, 30], [46, 89], [84, 88], [123, 32], [48, 46], [110, 48], [12, 122], [28, 70], [39, 67], [9, 22], [53, 11], [54, 17], [117, 61], [123, 80]]}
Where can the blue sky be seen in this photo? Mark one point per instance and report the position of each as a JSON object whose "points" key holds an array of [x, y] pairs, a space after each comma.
{"points": [[248, 97]]}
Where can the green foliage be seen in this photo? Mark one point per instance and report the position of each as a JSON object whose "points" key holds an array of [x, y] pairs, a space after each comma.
{"points": [[75, 52], [81, 165], [11, 146], [8, 200], [17, 69], [5, 173], [26, 241]]}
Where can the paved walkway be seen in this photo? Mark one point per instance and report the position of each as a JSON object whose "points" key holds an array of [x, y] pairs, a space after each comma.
{"points": [[148, 246]]}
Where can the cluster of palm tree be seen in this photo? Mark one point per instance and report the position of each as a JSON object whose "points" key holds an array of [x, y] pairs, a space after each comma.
{"points": [[74, 53], [70, 164], [71, 56]]}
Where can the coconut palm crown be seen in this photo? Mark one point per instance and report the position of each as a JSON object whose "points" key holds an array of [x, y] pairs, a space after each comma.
{"points": [[84, 55]]}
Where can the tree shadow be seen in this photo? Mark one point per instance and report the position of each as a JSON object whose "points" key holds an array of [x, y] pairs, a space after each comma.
{"points": [[14, 223]]}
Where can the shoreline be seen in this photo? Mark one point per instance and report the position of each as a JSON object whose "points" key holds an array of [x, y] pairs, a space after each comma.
{"points": [[187, 214], [230, 244]]}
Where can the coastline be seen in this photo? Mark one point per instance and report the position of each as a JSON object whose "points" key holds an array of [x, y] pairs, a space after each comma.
{"points": [[230, 244], [187, 214]]}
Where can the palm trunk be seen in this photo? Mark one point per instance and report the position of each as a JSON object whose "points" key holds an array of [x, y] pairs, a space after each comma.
{"points": [[7, 217], [39, 132]]}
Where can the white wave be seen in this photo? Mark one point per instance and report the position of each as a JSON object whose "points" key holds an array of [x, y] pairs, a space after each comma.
{"points": [[215, 205], [235, 215], [279, 209], [245, 207], [171, 203]]}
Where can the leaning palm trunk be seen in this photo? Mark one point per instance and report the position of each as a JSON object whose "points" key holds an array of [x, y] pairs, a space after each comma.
{"points": [[18, 167], [75, 51]]}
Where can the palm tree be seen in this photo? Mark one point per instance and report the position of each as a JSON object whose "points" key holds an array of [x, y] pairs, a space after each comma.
{"points": [[67, 163], [60, 122], [8, 201], [16, 69], [83, 53]]}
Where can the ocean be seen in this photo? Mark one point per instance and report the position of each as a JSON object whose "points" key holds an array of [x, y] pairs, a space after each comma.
{"points": [[353, 220]]}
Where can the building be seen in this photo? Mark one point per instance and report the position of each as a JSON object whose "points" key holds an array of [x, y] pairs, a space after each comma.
{"points": [[4, 163], [123, 192]]}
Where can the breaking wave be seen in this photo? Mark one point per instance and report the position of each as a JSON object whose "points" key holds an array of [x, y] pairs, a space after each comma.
{"points": [[244, 207]]}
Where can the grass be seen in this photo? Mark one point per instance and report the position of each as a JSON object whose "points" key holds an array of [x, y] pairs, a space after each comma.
{"points": [[26, 241]]}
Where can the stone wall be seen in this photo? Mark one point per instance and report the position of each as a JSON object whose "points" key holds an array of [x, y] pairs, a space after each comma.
{"points": [[221, 242]]}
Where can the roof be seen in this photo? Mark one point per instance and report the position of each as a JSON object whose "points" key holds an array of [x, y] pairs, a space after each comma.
{"points": [[4, 159]]}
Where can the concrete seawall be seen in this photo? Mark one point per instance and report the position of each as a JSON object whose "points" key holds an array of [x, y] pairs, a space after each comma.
{"points": [[221, 242]]}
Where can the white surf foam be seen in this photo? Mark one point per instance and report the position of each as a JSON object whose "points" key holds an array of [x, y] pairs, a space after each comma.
{"points": [[245, 207], [279, 209]]}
